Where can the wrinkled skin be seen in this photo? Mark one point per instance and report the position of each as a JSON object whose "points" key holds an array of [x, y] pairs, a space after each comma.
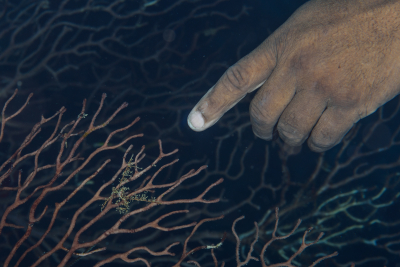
{"points": [[330, 64]]}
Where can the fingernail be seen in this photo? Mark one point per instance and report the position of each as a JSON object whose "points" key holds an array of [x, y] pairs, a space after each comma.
{"points": [[196, 120]]}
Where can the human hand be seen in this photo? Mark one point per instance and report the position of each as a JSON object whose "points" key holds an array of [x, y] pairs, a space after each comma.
{"points": [[330, 64]]}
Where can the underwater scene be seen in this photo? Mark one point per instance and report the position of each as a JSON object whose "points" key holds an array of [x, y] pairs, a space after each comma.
{"points": [[98, 166]]}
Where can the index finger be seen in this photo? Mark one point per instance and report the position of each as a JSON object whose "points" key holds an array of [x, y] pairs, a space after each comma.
{"points": [[245, 76]]}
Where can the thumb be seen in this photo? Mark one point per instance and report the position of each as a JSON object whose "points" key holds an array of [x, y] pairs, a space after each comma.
{"points": [[245, 76]]}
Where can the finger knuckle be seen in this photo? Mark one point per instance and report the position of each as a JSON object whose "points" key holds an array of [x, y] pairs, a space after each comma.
{"points": [[291, 134], [237, 78], [322, 141], [258, 116]]}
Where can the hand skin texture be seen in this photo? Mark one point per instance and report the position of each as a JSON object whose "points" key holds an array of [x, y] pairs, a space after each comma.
{"points": [[330, 64]]}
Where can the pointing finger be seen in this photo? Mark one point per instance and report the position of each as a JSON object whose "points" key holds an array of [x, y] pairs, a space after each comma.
{"points": [[245, 76]]}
